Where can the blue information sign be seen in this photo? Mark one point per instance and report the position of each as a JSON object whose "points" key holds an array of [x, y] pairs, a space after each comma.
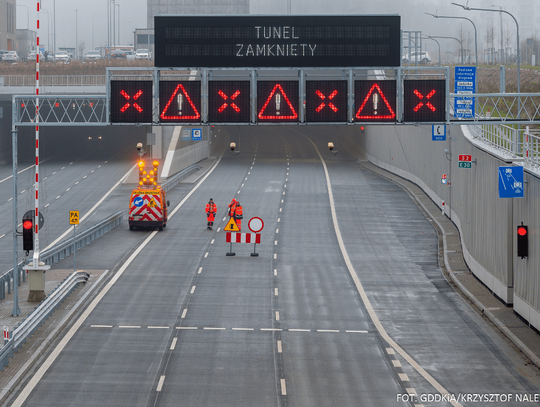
{"points": [[196, 134], [464, 83], [438, 132], [510, 182]]}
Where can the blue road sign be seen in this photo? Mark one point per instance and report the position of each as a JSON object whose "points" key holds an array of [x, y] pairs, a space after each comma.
{"points": [[138, 202], [438, 132], [196, 134], [510, 182], [464, 83]]}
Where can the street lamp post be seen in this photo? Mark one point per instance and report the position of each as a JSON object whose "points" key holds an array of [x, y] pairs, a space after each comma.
{"points": [[119, 42], [27, 15], [429, 37], [48, 25], [453, 38], [501, 26], [475, 34], [517, 28]]}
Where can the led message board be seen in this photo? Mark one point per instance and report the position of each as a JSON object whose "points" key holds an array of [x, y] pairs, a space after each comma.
{"points": [[375, 101], [424, 100], [229, 102], [180, 101], [326, 101], [277, 101], [277, 41], [131, 102]]}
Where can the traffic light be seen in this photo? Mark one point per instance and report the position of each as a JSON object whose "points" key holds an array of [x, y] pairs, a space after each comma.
{"points": [[522, 241], [28, 233]]}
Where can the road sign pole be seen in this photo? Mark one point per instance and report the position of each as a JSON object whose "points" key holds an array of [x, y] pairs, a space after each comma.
{"points": [[74, 250], [16, 310]]}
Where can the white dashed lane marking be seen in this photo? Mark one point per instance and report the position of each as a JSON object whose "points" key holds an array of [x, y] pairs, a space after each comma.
{"points": [[160, 383], [279, 347], [396, 363], [193, 289], [173, 344], [283, 388], [184, 313], [158, 327]]}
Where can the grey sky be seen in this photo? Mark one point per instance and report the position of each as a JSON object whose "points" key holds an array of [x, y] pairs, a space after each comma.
{"points": [[93, 13]]}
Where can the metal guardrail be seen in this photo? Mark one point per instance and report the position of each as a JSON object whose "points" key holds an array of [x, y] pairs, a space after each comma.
{"points": [[53, 80], [511, 142], [39, 315], [175, 179], [63, 249]]}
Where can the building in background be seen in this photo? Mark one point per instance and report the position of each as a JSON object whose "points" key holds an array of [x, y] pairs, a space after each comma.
{"points": [[8, 34], [26, 42], [144, 38]]}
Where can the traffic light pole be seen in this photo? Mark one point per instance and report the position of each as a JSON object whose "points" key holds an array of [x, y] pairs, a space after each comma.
{"points": [[16, 310]]}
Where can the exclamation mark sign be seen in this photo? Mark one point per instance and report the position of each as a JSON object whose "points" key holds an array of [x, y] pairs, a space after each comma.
{"points": [[180, 102], [375, 103]]}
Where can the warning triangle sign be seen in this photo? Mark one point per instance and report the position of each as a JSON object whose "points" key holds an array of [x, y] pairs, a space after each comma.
{"points": [[152, 204], [278, 105], [375, 106], [231, 226], [180, 106]]}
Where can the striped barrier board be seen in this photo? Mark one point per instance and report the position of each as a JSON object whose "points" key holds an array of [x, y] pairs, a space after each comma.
{"points": [[233, 237], [243, 238]]}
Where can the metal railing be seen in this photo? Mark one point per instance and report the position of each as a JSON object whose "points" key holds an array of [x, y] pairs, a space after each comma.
{"points": [[511, 142], [63, 249], [36, 318], [53, 80], [175, 179]]}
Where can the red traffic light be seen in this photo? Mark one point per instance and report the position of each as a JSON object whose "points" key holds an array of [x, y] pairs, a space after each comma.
{"points": [[28, 224], [522, 231]]}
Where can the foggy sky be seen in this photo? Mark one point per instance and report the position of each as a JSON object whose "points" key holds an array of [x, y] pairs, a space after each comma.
{"points": [[93, 14]]}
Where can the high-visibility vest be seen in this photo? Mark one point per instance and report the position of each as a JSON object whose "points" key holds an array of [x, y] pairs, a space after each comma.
{"points": [[238, 214]]}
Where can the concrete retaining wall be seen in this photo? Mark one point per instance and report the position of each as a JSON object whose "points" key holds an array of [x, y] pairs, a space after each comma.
{"points": [[487, 223]]}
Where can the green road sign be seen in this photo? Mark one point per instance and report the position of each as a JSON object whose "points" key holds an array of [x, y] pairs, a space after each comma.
{"points": [[465, 165]]}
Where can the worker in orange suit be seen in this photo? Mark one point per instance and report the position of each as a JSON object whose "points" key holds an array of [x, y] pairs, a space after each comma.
{"points": [[232, 211], [238, 215], [211, 210]]}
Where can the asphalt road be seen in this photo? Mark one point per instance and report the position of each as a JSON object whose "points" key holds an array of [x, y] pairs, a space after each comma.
{"points": [[184, 324]]}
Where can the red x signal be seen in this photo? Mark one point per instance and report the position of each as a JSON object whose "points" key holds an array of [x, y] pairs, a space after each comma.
{"points": [[225, 97], [330, 104], [127, 105], [428, 104]]}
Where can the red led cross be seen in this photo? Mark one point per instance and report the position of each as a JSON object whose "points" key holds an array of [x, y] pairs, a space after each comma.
{"points": [[135, 105], [428, 104], [225, 97], [330, 104]]}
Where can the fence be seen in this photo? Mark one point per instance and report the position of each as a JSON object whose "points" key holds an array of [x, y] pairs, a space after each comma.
{"points": [[511, 142], [53, 80]]}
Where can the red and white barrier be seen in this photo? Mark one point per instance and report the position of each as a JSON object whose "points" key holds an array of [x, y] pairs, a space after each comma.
{"points": [[233, 237]]}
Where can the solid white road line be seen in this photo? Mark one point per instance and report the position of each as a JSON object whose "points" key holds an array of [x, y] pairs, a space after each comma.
{"points": [[362, 292], [184, 312], [160, 383], [54, 354], [173, 344]]}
